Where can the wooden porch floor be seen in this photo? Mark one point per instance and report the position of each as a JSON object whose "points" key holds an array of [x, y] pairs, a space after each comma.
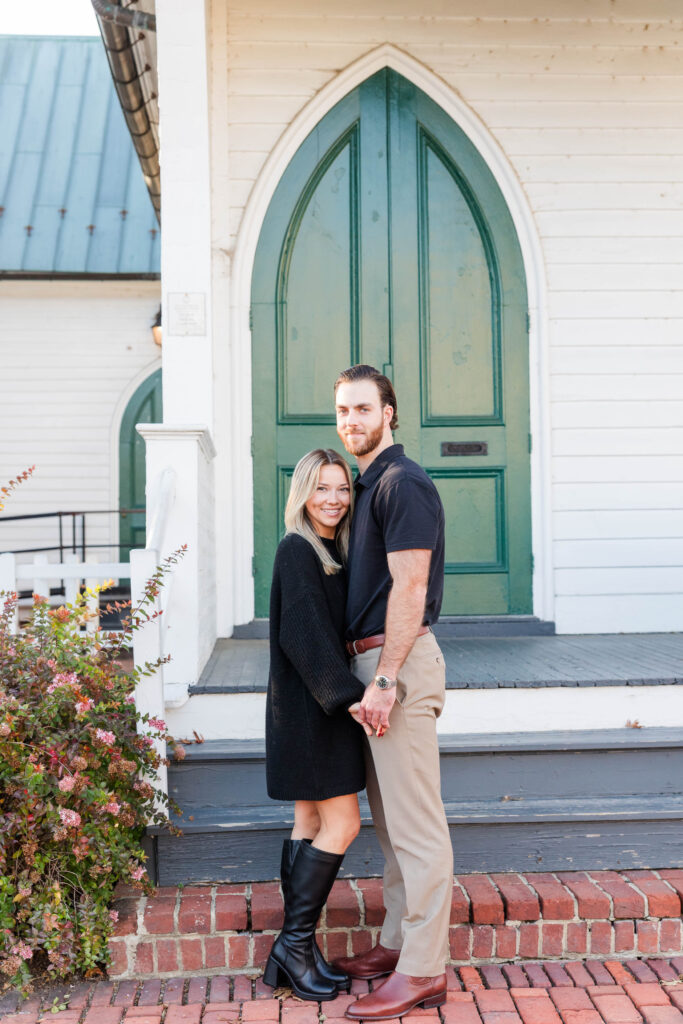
{"points": [[643, 659]]}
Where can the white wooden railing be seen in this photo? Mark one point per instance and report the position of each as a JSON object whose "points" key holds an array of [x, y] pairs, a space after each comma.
{"points": [[149, 641]]}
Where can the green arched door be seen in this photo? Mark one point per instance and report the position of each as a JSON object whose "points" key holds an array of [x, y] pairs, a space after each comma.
{"points": [[388, 241], [144, 407]]}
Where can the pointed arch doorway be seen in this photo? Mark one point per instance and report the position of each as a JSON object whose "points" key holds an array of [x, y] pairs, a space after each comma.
{"points": [[388, 241]]}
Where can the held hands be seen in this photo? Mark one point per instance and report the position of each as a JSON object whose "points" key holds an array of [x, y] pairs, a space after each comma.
{"points": [[354, 711], [374, 709]]}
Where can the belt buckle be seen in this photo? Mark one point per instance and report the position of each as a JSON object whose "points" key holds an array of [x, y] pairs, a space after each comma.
{"points": [[353, 647]]}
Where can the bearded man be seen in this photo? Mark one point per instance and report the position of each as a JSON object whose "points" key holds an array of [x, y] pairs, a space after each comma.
{"points": [[396, 563]]}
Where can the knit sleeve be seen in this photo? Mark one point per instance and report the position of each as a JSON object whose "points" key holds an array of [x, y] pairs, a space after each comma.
{"points": [[307, 635]]}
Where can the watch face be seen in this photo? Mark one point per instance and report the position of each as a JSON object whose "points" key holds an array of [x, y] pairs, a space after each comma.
{"points": [[382, 682]]}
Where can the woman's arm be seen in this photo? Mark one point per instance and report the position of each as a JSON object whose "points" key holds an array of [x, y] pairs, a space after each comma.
{"points": [[307, 634]]}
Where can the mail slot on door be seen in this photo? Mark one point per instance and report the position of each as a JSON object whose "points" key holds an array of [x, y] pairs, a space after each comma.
{"points": [[464, 448]]}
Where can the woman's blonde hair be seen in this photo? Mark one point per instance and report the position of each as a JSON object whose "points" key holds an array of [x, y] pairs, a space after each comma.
{"points": [[305, 479]]}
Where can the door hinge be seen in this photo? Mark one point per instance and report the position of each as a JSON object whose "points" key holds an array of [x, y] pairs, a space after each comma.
{"points": [[251, 318], [531, 562], [253, 565], [528, 322], [531, 443], [251, 445]]}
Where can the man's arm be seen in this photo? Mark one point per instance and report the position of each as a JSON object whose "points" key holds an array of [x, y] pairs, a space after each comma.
{"points": [[405, 612]]}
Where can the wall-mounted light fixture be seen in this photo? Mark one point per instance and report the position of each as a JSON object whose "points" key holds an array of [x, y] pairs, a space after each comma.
{"points": [[156, 328]]}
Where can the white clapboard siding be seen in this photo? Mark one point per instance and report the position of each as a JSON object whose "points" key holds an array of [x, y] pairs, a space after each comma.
{"points": [[578, 387], [638, 494], [622, 143], [589, 276], [621, 524], [618, 441], [622, 580], [634, 552], [614, 469], [85, 343], [608, 414], [645, 333], [662, 253], [620, 613], [586, 101]]}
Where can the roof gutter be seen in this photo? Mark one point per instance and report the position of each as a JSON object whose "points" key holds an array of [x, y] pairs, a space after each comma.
{"points": [[132, 61]]}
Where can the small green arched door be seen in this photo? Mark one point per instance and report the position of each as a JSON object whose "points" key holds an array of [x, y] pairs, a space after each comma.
{"points": [[388, 241], [144, 407]]}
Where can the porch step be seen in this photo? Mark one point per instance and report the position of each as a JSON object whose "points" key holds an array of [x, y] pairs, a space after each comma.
{"points": [[650, 659], [518, 801]]}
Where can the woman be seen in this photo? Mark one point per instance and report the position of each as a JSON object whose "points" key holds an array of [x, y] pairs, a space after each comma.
{"points": [[314, 752]]}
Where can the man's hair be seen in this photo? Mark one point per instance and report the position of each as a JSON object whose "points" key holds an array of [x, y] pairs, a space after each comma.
{"points": [[362, 371]]}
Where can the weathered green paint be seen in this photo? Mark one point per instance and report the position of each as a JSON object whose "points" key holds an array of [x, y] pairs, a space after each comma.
{"points": [[388, 241], [144, 407]]}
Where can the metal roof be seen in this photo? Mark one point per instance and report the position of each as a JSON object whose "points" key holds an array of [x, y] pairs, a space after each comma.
{"points": [[72, 194]]}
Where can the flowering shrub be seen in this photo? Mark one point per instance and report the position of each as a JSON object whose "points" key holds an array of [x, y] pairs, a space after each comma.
{"points": [[78, 767]]}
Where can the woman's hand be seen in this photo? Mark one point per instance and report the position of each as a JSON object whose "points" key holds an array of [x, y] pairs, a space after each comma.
{"points": [[354, 712]]}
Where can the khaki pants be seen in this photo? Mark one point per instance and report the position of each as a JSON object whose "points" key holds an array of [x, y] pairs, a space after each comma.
{"points": [[404, 790]]}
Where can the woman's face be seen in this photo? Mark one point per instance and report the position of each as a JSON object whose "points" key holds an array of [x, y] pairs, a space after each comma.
{"points": [[329, 503]]}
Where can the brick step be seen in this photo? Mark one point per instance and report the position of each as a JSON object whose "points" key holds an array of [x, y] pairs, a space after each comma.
{"points": [[230, 928], [588, 992]]}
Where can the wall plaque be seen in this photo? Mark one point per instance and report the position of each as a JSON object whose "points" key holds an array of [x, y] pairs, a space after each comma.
{"points": [[186, 314]]}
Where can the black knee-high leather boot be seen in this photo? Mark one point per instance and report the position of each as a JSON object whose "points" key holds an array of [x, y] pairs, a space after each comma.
{"points": [[290, 848], [292, 960]]}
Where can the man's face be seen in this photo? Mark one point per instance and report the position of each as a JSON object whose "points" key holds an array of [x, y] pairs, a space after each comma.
{"points": [[360, 417]]}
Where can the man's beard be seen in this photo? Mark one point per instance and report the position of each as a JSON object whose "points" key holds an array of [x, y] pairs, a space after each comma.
{"points": [[362, 444]]}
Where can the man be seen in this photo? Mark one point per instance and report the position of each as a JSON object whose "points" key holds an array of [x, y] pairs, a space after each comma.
{"points": [[396, 559]]}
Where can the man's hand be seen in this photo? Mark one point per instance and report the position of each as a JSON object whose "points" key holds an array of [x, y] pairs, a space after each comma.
{"points": [[376, 706], [354, 711]]}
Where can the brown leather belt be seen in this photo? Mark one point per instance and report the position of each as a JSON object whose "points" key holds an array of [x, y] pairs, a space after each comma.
{"points": [[367, 644]]}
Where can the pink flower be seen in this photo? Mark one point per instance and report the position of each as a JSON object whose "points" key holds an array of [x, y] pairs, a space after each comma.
{"points": [[5, 729], [102, 736], [113, 915], [69, 818], [149, 740], [112, 807], [158, 723], [130, 699], [66, 784], [137, 873], [63, 679], [23, 950], [84, 705], [51, 663]]}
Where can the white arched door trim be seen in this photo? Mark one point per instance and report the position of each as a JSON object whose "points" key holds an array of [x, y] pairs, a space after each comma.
{"points": [[243, 262]]}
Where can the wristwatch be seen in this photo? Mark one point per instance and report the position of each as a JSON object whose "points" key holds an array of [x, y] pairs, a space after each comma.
{"points": [[383, 682]]}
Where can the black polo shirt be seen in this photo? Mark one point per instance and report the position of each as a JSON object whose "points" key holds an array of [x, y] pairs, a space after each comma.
{"points": [[397, 508]]}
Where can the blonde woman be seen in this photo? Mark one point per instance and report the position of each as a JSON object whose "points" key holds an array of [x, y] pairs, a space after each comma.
{"points": [[314, 748]]}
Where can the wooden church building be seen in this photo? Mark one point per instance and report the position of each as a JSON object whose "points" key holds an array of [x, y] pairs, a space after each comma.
{"points": [[485, 201]]}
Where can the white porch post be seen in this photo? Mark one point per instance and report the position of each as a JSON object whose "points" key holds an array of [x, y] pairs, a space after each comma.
{"points": [[187, 362], [189, 618], [184, 440]]}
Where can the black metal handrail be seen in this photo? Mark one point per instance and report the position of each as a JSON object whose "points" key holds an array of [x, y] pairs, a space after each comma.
{"points": [[63, 546]]}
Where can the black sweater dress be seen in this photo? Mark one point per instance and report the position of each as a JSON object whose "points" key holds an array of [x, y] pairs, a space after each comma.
{"points": [[314, 748]]}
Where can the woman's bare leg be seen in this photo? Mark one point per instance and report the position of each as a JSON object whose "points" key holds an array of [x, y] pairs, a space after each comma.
{"points": [[339, 823], [306, 820]]}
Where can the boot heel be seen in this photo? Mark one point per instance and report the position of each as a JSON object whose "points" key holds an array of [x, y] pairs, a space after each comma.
{"points": [[434, 1001], [272, 974]]}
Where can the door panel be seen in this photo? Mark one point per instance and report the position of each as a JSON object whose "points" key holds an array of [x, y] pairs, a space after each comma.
{"points": [[144, 407], [388, 241]]}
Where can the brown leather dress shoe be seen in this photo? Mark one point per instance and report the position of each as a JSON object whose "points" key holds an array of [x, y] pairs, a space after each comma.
{"points": [[373, 964], [397, 995]]}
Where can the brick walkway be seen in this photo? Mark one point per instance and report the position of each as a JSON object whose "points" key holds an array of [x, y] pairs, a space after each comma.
{"points": [[552, 992]]}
